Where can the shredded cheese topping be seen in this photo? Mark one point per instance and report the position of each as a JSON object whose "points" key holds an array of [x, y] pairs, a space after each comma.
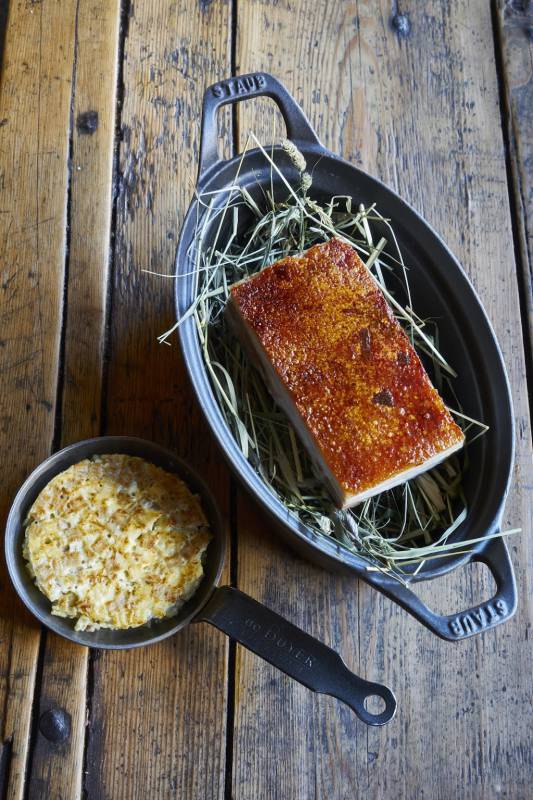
{"points": [[115, 542]]}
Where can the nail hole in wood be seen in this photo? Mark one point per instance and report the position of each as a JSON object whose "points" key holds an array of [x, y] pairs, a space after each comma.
{"points": [[55, 725], [87, 122], [401, 24]]}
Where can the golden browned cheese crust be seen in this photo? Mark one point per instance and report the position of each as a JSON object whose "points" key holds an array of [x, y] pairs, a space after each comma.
{"points": [[356, 381], [115, 542]]}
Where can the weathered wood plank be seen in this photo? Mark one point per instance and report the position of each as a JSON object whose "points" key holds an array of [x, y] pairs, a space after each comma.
{"points": [[417, 105], [94, 113], [56, 771], [515, 38], [35, 103], [158, 717]]}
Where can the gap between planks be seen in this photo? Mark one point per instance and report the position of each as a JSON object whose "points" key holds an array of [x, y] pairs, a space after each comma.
{"points": [[517, 202]]}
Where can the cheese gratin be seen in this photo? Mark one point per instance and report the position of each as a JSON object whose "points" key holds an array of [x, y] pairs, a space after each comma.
{"points": [[115, 542]]}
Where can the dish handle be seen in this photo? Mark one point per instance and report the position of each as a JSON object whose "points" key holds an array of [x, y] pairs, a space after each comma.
{"points": [[294, 652], [477, 619], [243, 87]]}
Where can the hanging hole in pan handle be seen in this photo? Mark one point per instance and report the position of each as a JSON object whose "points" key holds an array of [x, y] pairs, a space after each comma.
{"points": [[477, 619], [243, 87], [297, 654]]}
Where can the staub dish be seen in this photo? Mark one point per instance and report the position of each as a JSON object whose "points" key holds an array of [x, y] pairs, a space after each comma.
{"points": [[440, 290]]}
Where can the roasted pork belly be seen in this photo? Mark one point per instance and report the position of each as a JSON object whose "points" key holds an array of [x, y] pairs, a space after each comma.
{"points": [[338, 363]]}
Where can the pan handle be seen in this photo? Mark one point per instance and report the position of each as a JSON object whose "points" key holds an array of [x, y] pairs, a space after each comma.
{"points": [[477, 619], [242, 87], [294, 652]]}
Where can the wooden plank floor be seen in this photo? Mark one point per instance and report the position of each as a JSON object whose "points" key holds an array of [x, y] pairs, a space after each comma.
{"points": [[99, 134]]}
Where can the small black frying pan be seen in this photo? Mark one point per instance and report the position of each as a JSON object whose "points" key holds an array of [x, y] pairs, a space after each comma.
{"points": [[258, 628]]}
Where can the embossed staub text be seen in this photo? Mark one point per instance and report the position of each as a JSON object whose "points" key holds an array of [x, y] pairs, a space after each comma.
{"points": [[482, 617], [278, 640], [239, 86]]}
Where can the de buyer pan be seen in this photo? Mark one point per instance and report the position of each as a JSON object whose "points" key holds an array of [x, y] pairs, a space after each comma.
{"points": [[440, 290], [258, 628]]}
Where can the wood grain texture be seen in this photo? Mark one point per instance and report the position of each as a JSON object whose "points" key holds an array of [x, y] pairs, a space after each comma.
{"points": [[35, 114], [57, 770], [158, 715], [420, 110], [515, 38], [414, 99]]}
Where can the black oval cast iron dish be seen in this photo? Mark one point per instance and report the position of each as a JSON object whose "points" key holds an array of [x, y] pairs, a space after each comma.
{"points": [[261, 630], [440, 290]]}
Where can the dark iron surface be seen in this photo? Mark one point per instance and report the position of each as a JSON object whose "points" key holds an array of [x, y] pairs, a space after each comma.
{"points": [[440, 289], [263, 631]]}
